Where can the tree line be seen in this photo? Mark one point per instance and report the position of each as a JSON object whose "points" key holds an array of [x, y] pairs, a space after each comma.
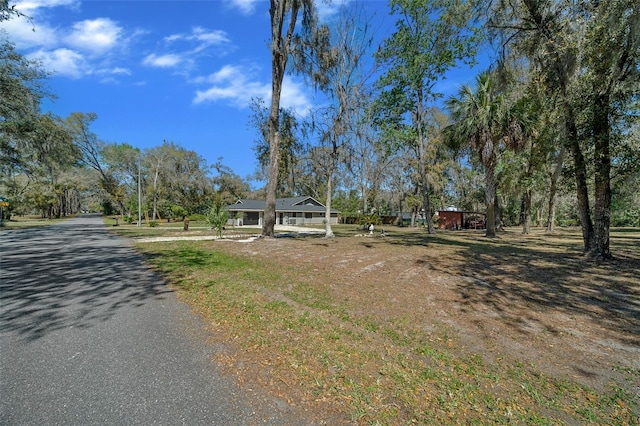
{"points": [[546, 135], [58, 166], [555, 112]]}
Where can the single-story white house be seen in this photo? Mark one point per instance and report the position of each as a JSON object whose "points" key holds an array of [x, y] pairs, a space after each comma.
{"points": [[289, 211]]}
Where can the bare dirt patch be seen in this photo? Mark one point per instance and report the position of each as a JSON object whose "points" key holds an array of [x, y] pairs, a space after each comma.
{"points": [[565, 314], [530, 299]]}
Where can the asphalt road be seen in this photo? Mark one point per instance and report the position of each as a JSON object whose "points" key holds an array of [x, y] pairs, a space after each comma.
{"points": [[89, 336]]}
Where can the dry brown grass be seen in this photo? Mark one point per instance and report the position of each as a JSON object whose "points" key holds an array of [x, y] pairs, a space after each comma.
{"points": [[442, 329]]}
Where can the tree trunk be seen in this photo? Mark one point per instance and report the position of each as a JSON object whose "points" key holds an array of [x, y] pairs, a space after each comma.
{"points": [[422, 158], [365, 203], [269, 222], [602, 207], [490, 197], [553, 189], [526, 197], [426, 202], [399, 218], [279, 56], [497, 212], [327, 212], [154, 216], [526, 212], [427, 207], [582, 190]]}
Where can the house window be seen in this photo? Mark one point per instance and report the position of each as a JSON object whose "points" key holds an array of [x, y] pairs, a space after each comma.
{"points": [[308, 215]]}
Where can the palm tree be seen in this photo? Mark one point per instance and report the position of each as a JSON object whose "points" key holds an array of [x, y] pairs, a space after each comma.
{"points": [[218, 215], [481, 121], [476, 115]]}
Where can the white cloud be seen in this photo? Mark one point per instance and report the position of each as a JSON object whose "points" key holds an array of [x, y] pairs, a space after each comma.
{"points": [[118, 70], [235, 85], [162, 61], [114, 71], [203, 38], [94, 35], [28, 35], [246, 7], [34, 30], [63, 62], [294, 96], [327, 10], [209, 38], [31, 7], [226, 73], [110, 75], [69, 51]]}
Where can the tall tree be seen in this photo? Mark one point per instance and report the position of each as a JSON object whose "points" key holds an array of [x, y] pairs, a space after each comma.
{"points": [[431, 37], [589, 54], [397, 179], [186, 180], [525, 119], [554, 178], [291, 149], [336, 63], [485, 119], [613, 59], [228, 186], [368, 160], [56, 156], [284, 17], [91, 150], [476, 113], [21, 91], [122, 162], [156, 160]]}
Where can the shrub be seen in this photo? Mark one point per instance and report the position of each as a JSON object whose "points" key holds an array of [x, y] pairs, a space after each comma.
{"points": [[153, 223], [217, 217], [197, 217]]}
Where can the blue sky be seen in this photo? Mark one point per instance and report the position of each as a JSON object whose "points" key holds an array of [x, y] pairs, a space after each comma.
{"points": [[181, 71]]}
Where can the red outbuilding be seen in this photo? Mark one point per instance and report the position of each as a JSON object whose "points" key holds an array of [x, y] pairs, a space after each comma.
{"points": [[453, 219]]}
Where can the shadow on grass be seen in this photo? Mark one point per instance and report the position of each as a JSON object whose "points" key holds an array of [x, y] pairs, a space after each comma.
{"points": [[182, 258], [515, 274]]}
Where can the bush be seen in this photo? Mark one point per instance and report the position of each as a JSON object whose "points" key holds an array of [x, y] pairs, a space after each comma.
{"points": [[153, 223], [217, 217], [197, 217], [372, 218], [627, 217]]}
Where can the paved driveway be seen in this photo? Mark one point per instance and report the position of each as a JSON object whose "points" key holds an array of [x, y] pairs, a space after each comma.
{"points": [[88, 336]]}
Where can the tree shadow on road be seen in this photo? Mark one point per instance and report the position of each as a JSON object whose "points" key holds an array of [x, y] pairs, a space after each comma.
{"points": [[64, 276]]}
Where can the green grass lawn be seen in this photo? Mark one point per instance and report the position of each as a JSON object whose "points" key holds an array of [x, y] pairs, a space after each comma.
{"points": [[299, 336], [17, 222]]}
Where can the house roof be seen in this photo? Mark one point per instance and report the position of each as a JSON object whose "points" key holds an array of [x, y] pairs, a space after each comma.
{"points": [[294, 204]]}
